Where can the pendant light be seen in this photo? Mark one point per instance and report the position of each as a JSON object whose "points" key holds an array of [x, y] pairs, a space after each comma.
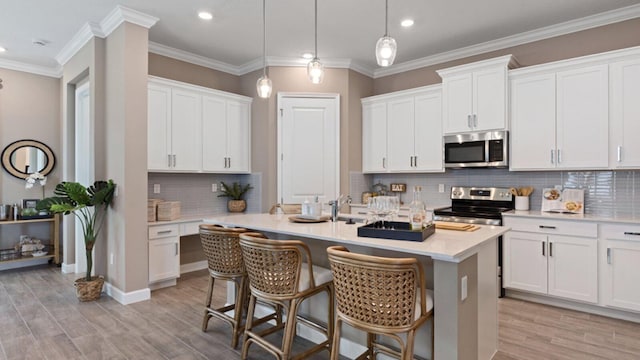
{"points": [[386, 46], [315, 69], [263, 85]]}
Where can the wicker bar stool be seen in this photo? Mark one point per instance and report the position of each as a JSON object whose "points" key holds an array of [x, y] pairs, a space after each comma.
{"points": [[381, 296], [222, 249], [281, 273]]}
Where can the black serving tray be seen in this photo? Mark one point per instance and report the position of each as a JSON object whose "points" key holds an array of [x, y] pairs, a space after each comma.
{"points": [[34, 217], [395, 230]]}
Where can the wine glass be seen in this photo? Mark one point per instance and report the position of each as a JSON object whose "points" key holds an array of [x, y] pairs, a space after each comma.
{"points": [[372, 210], [394, 206]]}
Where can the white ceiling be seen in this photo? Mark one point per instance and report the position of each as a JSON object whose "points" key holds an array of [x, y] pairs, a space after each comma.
{"points": [[347, 29]]}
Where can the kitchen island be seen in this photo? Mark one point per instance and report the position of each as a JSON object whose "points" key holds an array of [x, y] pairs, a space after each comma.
{"points": [[463, 269]]}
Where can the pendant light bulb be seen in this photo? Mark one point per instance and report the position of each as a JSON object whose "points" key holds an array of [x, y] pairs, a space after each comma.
{"points": [[386, 47], [264, 86], [315, 69]]}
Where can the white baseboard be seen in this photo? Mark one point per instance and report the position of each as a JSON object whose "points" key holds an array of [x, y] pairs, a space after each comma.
{"points": [[127, 298], [68, 268], [194, 266], [162, 284]]}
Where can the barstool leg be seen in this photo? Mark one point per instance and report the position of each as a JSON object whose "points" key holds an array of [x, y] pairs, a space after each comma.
{"points": [[290, 328], [207, 305], [238, 310], [335, 345], [248, 326]]}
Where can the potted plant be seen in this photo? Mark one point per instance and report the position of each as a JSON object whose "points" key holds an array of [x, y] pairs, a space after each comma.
{"points": [[235, 193], [89, 205]]}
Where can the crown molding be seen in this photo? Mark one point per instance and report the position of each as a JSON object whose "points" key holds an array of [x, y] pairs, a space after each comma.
{"points": [[50, 71], [122, 14], [87, 32], [192, 58], [585, 23]]}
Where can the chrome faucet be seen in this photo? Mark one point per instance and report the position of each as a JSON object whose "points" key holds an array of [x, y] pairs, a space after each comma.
{"points": [[337, 204]]}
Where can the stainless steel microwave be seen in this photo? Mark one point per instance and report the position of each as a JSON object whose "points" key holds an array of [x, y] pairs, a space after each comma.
{"points": [[480, 149]]}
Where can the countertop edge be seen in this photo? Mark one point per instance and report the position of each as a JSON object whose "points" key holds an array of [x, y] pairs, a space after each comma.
{"points": [[579, 217]]}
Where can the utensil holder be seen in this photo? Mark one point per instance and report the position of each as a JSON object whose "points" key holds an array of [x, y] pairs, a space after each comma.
{"points": [[522, 203]]}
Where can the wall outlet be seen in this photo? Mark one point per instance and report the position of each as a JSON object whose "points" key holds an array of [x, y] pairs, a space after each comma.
{"points": [[463, 288], [440, 188], [214, 187], [156, 188]]}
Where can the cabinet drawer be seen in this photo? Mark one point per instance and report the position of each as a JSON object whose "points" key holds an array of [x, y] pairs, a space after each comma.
{"points": [[555, 227], [162, 231], [190, 228], [620, 232]]}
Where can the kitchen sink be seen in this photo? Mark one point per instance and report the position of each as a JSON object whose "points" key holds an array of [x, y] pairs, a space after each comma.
{"points": [[351, 219]]}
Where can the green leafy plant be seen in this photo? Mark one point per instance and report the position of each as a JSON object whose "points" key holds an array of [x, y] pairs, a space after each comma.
{"points": [[89, 205], [235, 191]]}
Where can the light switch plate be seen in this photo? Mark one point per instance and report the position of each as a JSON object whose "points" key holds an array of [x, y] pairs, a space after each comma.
{"points": [[156, 188], [441, 188]]}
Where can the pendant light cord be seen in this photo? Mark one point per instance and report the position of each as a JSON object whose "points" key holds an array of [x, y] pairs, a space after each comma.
{"points": [[316, 28], [264, 39], [386, 17]]}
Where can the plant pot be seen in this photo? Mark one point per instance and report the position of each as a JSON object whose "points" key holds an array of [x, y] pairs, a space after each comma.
{"points": [[89, 290], [236, 205]]}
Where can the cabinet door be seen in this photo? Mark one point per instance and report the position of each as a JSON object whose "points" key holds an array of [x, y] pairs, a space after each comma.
{"points": [[621, 275], [214, 134], [164, 259], [573, 268], [158, 127], [625, 114], [525, 261], [428, 132], [186, 130], [400, 134], [457, 106], [583, 118], [238, 137], [374, 137], [533, 122], [489, 99]]}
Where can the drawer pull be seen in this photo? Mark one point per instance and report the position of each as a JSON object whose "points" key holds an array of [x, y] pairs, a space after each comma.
{"points": [[165, 232], [609, 256], [402, 216], [547, 227], [362, 212], [632, 233]]}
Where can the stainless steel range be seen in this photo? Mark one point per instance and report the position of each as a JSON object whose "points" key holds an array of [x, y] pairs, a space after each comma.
{"points": [[479, 205]]}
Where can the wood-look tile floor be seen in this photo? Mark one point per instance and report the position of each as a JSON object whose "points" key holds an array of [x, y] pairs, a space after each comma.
{"points": [[40, 318]]}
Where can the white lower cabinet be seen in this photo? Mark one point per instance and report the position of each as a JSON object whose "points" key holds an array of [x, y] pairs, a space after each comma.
{"points": [[621, 262], [164, 252], [540, 256]]}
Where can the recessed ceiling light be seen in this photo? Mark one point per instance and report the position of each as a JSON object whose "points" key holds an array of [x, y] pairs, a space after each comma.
{"points": [[407, 23], [205, 15], [307, 55], [2, 49]]}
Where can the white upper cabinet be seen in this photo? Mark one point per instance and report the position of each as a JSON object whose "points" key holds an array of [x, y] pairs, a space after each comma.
{"points": [[559, 120], [195, 129], [402, 131], [474, 96], [625, 114]]}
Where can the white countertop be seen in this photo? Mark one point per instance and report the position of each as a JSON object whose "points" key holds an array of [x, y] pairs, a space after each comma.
{"points": [[182, 219], [444, 245], [559, 216]]}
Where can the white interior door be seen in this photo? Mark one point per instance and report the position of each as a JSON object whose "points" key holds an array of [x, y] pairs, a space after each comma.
{"points": [[84, 164], [308, 147]]}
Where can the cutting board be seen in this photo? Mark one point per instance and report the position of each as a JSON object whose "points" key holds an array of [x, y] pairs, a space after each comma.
{"points": [[455, 226]]}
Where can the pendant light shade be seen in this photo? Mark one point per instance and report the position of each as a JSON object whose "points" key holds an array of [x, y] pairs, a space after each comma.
{"points": [[264, 86], [386, 47], [315, 69]]}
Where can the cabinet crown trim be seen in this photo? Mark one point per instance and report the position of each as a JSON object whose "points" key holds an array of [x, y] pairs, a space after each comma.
{"points": [[423, 90], [203, 90], [509, 61]]}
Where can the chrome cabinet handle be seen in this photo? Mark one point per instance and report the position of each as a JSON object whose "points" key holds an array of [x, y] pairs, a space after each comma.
{"points": [[632, 233], [619, 153], [176, 244], [384, 163], [559, 156], [475, 120], [229, 162], [543, 248], [550, 249], [469, 121], [164, 232], [415, 161], [174, 160], [546, 227], [168, 160], [609, 256], [552, 156]]}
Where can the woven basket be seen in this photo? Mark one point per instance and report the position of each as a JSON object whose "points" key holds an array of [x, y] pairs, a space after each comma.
{"points": [[89, 290], [168, 210], [152, 209], [236, 205]]}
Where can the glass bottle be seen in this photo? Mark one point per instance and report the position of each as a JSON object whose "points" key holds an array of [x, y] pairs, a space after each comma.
{"points": [[417, 210]]}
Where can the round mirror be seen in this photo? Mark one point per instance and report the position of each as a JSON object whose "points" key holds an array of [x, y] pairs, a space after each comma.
{"points": [[25, 157]]}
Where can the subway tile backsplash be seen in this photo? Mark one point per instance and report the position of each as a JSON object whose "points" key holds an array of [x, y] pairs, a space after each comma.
{"points": [[607, 193], [194, 191]]}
